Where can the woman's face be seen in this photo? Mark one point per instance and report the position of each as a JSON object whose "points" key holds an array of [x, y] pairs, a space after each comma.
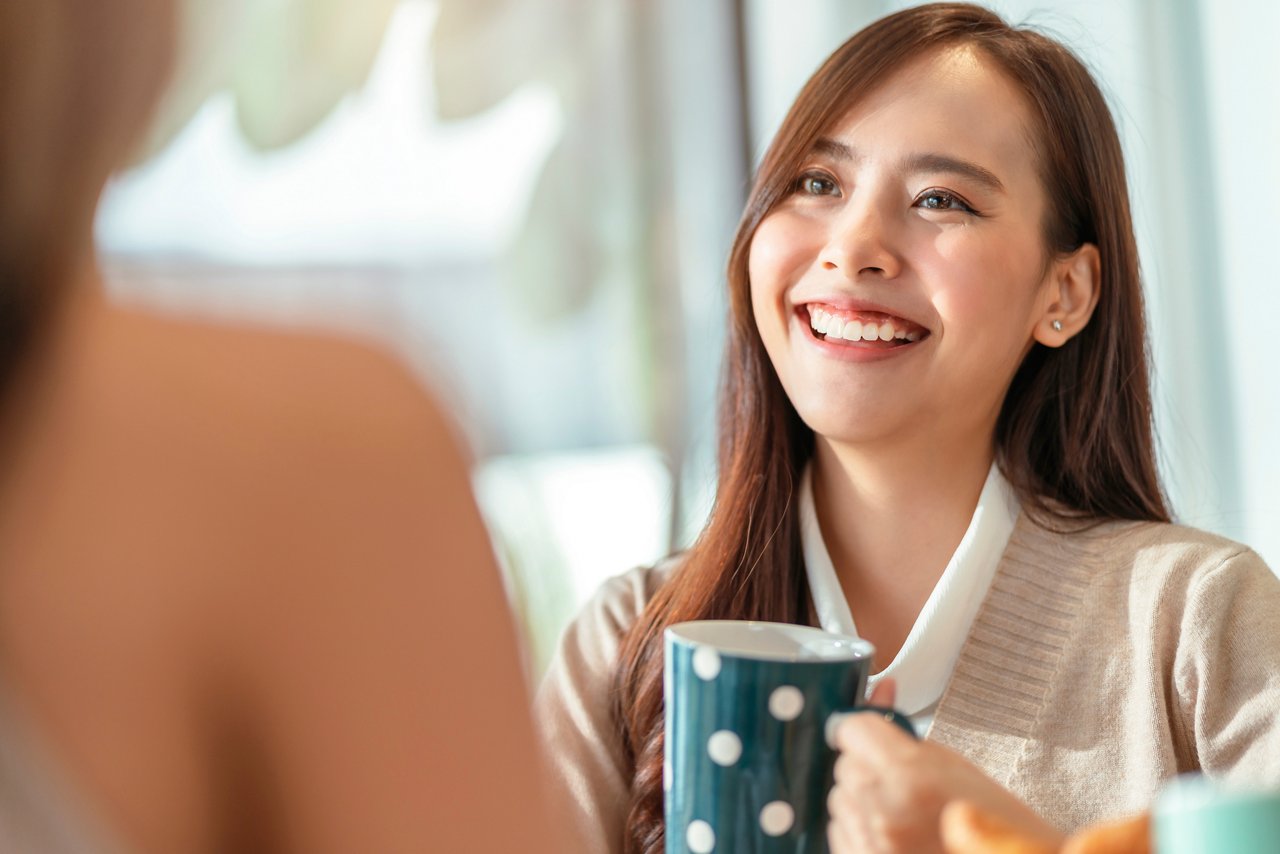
{"points": [[897, 288]]}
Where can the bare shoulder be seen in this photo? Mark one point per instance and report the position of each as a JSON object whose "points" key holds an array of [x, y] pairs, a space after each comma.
{"points": [[355, 589], [254, 385], [284, 523], [233, 417], [268, 464]]}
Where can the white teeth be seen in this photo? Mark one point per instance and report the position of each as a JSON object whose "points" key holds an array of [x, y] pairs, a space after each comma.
{"points": [[825, 323]]}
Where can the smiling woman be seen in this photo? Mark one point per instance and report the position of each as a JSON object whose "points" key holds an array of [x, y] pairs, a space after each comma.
{"points": [[936, 434]]}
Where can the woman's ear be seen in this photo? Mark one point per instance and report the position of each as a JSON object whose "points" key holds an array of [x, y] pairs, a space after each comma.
{"points": [[1070, 296]]}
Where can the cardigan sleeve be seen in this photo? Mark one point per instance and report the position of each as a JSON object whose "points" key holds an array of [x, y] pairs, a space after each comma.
{"points": [[574, 713], [1227, 671]]}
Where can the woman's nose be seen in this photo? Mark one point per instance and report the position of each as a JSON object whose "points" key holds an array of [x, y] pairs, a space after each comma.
{"points": [[861, 242]]}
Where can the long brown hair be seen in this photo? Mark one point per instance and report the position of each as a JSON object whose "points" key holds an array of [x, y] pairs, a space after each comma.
{"points": [[1074, 436], [77, 81]]}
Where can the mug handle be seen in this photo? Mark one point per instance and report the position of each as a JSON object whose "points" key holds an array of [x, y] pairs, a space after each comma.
{"points": [[893, 716]]}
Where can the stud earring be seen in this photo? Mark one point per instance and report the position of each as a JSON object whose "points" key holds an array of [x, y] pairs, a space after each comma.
{"points": [[1057, 325]]}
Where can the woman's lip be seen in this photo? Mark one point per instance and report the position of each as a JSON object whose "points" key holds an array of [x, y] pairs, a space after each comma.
{"points": [[843, 303]]}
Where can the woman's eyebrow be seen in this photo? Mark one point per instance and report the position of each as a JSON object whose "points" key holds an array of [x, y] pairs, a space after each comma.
{"points": [[915, 164], [833, 149], [929, 162]]}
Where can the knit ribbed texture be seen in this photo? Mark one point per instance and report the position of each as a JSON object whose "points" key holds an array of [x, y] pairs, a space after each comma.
{"points": [[1002, 679]]}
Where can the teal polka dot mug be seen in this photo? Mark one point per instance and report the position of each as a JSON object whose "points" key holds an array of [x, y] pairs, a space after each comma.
{"points": [[749, 711]]}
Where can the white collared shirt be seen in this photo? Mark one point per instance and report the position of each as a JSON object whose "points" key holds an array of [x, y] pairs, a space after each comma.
{"points": [[924, 664]]}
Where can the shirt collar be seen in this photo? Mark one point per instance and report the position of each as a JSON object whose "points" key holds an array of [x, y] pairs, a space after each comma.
{"points": [[923, 666]]}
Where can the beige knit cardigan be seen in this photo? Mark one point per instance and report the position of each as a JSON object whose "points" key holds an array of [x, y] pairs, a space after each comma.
{"points": [[1099, 665]]}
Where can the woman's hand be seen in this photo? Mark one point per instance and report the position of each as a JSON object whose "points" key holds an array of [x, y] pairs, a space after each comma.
{"points": [[890, 791]]}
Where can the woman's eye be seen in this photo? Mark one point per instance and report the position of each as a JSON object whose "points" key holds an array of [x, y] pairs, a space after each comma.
{"points": [[941, 200], [817, 185]]}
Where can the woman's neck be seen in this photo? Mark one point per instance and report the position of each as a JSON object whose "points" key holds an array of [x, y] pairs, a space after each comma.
{"points": [[891, 523]]}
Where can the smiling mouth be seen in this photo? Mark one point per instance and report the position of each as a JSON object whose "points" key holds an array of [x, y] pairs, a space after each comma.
{"points": [[863, 328]]}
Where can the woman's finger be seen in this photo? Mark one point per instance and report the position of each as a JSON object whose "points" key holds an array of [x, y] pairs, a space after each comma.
{"points": [[873, 740], [884, 694]]}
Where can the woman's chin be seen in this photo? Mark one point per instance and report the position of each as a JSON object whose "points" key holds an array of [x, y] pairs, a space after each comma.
{"points": [[854, 428]]}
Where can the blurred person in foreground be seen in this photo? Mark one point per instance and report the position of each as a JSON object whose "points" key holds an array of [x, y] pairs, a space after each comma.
{"points": [[246, 602]]}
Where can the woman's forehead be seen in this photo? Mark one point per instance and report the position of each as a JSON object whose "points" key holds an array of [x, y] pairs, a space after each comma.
{"points": [[953, 102]]}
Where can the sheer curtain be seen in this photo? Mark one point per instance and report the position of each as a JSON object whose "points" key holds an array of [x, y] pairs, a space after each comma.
{"points": [[1243, 124]]}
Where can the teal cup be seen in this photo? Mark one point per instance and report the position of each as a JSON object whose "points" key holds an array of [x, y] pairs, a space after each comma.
{"points": [[749, 709], [1194, 816]]}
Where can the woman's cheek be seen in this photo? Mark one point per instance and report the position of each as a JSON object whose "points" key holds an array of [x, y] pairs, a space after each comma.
{"points": [[767, 269], [968, 290], [777, 250]]}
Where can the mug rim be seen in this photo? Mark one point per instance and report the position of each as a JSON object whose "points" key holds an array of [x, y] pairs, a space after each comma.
{"points": [[1193, 793], [690, 633]]}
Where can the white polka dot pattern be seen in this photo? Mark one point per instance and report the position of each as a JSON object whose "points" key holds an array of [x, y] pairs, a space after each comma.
{"points": [[724, 747], [741, 716], [786, 703], [706, 663], [776, 818], [701, 838]]}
